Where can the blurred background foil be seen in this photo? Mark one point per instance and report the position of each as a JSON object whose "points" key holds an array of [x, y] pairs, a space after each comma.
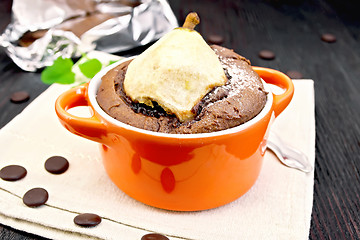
{"points": [[42, 30]]}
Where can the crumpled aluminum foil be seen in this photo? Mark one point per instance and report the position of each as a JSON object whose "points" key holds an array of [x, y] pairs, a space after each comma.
{"points": [[43, 30]]}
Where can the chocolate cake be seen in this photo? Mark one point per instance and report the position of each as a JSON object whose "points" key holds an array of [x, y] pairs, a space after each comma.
{"points": [[227, 106]]}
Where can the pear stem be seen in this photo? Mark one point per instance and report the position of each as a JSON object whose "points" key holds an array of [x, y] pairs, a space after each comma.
{"points": [[192, 19]]}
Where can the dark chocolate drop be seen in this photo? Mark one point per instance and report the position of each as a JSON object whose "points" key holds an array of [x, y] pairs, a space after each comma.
{"points": [[87, 220], [215, 39], [13, 173], [35, 197], [19, 97], [154, 236], [294, 74], [56, 164], [329, 38], [267, 54]]}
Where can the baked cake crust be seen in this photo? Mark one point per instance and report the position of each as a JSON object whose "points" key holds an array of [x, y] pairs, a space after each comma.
{"points": [[239, 100]]}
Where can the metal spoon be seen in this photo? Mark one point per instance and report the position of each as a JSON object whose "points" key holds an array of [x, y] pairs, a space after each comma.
{"points": [[289, 156]]}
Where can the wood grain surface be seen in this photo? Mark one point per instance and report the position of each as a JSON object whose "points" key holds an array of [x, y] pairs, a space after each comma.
{"points": [[292, 30]]}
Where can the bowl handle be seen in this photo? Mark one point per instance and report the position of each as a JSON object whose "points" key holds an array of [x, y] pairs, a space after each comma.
{"points": [[279, 79], [91, 128]]}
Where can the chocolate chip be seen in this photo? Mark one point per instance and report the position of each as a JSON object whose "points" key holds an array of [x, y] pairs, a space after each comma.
{"points": [[267, 54], [13, 173], [87, 220], [56, 164], [329, 38], [19, 97], [294, 74], [154, 236], [35, 197], [215, 39]]}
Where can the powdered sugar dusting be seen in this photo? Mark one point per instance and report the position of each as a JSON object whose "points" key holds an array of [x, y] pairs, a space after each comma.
{"points": [[238, 79]]}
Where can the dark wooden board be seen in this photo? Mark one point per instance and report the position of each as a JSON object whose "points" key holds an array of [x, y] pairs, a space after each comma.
{"points": [[292, 30]]}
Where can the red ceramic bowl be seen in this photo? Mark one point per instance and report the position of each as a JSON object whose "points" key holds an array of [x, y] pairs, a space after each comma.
{"points": [[184, 172]]}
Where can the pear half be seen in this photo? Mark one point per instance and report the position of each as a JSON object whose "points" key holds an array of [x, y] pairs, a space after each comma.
{"points": [[176, 72]]}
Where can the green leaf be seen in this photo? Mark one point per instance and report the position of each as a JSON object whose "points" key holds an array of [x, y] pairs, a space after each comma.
{"points": [[112, 61], [59, 72], [90, 68]]}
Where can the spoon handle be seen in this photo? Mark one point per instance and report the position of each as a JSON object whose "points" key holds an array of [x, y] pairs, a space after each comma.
{"points": [[288, 155]]}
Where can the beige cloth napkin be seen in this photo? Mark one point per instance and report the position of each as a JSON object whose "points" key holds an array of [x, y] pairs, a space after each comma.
{"points": [[277, 207]]}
